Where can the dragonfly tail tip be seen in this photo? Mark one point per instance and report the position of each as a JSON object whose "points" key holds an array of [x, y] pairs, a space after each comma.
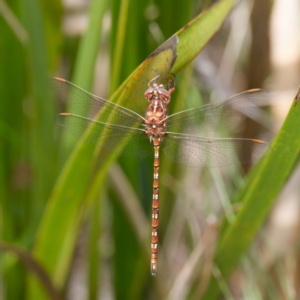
{"points": [[153, 269]]}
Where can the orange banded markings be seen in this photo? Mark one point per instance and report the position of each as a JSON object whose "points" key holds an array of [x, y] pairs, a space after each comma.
{"points": [[155, 204], [154, 238], [154, 220], [65, 114]]}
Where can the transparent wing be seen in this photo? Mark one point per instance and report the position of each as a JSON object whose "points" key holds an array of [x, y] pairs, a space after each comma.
{"points": [[88, 115], [132, 142], [213, 117], [90, 106], [212, 152]]}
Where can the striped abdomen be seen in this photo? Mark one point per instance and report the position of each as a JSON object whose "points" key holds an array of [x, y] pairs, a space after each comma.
{"points": [[155, 209]]}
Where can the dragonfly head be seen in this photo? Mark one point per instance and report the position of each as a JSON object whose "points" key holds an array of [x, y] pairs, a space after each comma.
{"points": [[157, 92]]}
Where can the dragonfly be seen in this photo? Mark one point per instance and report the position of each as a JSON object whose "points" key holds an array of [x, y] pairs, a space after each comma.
{"points": [[187, 137]]}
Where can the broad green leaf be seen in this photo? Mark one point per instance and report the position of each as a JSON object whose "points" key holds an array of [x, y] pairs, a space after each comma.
{"points": [[262, 192]]}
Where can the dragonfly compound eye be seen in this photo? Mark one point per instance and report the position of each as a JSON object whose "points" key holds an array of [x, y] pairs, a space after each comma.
{"points": [[149, 93]]}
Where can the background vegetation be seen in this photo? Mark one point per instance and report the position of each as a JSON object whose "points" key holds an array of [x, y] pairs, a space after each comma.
{"points": [[75, 224]]}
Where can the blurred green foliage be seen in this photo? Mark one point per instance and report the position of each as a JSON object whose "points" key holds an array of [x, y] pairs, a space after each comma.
{"points": [[53, 203]]}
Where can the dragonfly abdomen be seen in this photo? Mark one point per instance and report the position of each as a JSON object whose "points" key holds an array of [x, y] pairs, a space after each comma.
{"points": [[155, 208]]}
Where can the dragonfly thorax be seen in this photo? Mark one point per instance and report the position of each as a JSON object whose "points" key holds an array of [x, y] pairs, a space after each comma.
{"points": [[155, 119], [156, 114]]}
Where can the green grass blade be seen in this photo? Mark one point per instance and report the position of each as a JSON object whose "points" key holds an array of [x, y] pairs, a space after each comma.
{"points": [[119, 45], [261, 194], [94, 251], [89, 46], [43, 151], [14, 203], [177, 16], [87, 58]]}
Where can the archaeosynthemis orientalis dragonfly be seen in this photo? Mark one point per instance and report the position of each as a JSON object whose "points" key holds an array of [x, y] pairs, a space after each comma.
{"points": [[186, 137]]}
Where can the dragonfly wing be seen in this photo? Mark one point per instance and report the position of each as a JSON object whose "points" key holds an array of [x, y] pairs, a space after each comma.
{"points": [[213, 117], [87, 105], [212, 152], [130, 142]]}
